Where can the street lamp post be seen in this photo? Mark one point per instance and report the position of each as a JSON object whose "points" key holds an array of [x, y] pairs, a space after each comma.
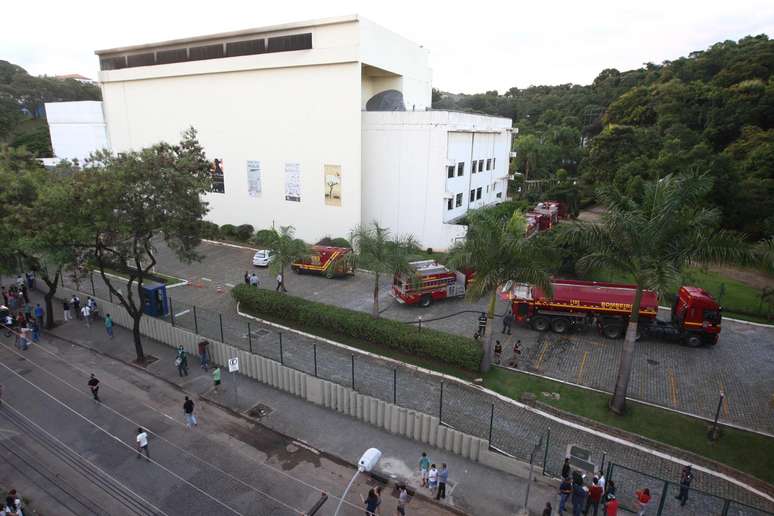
{"points": [[365, 464]]}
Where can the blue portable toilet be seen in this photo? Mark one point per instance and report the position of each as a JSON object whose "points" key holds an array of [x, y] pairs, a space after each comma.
{"points": [[154, 299]]}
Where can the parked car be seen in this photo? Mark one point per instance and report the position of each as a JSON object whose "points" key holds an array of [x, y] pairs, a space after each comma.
{"points": [[262, 258]]}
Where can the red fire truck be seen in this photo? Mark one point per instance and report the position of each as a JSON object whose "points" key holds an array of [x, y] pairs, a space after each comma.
{"points": [[429, 281], [695, 318], [326, 260]]}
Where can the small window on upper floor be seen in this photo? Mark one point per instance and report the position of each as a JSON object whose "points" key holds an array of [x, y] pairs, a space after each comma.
{"points": [[458, 200], [473, 167], [499, 195], [450, 171], [494, 160], [473, 195], [489, 164], [460, 169], [450, 203], [478, 193], [481, 165]]}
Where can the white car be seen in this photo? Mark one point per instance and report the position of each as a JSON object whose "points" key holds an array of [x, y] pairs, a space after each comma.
{"points": [[262, 258]]}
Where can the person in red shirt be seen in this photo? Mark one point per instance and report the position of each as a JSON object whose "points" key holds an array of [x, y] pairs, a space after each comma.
{"points": [[611, 507], [595, 496], [643, 501]]}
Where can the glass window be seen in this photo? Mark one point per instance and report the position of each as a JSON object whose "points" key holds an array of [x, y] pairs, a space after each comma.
{"points": [[473, 195], [450, 171], [478, 193], [460, 168], [449, 203], [494, 160], [499, 195], [473, 167], [458, 200], [480, 165], [489, 164]]}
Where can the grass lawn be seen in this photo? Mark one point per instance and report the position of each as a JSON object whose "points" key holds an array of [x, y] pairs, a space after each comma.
{"points": [[748, 452]]}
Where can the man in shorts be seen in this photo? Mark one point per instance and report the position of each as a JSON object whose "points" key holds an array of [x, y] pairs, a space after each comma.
{"points": [[424, 470]]}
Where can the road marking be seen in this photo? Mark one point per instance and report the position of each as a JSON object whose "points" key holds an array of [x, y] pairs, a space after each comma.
{"points": [[230, 285], [672, 381], [183, 312], [206, 279], [582, 365], [542, 353]]}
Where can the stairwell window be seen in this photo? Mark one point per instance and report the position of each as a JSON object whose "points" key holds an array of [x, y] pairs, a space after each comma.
{"points": [[450, 203], [458, 200], [489, 164]]}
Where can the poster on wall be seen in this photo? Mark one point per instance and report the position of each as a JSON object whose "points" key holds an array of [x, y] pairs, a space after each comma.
{"points": [[293, 182], [253, 178], [332, 175], [216, 174]]}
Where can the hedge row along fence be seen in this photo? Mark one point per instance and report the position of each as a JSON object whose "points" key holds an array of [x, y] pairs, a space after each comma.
{"points": [[450, 349]]}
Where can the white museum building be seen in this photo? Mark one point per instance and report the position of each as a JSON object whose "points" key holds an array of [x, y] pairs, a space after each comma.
{"points": [[321, 125]]}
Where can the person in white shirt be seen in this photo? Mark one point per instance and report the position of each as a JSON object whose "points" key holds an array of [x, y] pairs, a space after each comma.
{"points": [[280, 283], [86, 313], [142, 443]]}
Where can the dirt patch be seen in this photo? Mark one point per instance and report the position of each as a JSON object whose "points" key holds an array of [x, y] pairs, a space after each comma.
{"points": [[592, 214], [751, 278]]}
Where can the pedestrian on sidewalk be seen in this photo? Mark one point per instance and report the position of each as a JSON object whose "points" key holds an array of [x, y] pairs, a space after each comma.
{"points": [[109, 325], [565, 490], [403, 500], [371, 502], [35, 330], [642, 501], [514, 362], [66, 310], [548, 511], [579, 494], [443, 478], [432, 478], [94, 386], [28, 311], [424, 468], [280, 282], [566, 468], [86, 315], [611, 507], [601, 481], [181, 361], [247, 278], [686, 476], [482, 324], [254, 280], [507, 322], [188, 408], [30, 279], [142, 444], [595, 496], [24, 338], [498, 351], [204, 354], [76, 302], [216, 378], [25, 293], [39, 312]]}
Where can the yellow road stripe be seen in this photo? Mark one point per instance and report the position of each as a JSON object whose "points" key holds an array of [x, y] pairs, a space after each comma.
{"points": [[582, 365], [542, 353], [672, 386]]}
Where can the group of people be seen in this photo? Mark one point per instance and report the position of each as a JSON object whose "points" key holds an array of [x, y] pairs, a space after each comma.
{"points": [[586, 498], [433, 478], [373, 501], [13, 505], [25, 324], [16, 295], [252, 280]]}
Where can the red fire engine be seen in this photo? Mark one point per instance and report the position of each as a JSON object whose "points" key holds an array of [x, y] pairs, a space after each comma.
{"points": [[326, 260], [695, 318], [429, 281]]}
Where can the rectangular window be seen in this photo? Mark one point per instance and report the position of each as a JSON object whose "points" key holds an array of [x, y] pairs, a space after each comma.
{"points": [[499, 195], [481, 165], [473, 167], [449, 204], [458, 200], [494, 160], [450, 171], [478, 193], [460, 169], [473, 195], [487, 188], [489, 164]]}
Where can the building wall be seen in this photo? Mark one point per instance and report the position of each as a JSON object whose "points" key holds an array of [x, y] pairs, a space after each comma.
{"points": [[77, 129]]}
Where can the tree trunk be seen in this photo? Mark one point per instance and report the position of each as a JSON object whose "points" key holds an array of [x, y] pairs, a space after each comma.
{"points": [[376, 296], [49, 301], [618, 401], [137, 338], [486, 361]]}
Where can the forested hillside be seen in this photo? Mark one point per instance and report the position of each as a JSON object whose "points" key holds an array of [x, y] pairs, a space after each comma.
{"points": [[22, 114], [712, 111]]}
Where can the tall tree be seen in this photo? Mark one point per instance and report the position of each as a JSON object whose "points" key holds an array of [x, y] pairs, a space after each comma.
{"points": [[496, 249], [652, 238], [125, 200], [285, 249], [383, 253]]}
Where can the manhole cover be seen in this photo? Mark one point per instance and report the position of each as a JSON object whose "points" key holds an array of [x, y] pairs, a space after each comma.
{"points": [[653, 362], [259, 411]]}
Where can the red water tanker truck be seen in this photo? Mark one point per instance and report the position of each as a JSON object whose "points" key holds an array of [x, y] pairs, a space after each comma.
{"points": [[576, 305]]}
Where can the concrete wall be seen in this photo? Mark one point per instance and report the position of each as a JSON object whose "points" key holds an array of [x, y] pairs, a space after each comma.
{"points": [[407, 423], [77, 129]]}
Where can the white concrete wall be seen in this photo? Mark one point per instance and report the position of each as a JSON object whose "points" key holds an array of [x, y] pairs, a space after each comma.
{"points": [[77, 129]]}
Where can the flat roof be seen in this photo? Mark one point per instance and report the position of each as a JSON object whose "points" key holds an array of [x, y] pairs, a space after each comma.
{"points": [[234, 34]]}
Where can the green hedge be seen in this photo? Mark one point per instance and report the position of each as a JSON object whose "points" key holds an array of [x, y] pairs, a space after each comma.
{"points": [[451, 349]]}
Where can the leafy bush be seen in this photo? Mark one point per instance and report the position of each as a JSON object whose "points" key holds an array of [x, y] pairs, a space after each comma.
{"points": [[452, 349], [263, 236], [326, 240], [210, 230], [340, 242], [244, 232], [228, 230]]}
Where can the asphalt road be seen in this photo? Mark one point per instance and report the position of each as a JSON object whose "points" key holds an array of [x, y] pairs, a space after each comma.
{"points": [[72, 455]]}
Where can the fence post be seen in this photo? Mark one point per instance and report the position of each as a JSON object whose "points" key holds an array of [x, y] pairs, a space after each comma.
{"points": [[91, 278], [545, 453], [395, 386], [282, 355], [249, 336], [491, 423], [220, 319], [353, 371], [196, 321], [662, 501], [314, 348], [726, 507], [171, 311], [440, 406]]}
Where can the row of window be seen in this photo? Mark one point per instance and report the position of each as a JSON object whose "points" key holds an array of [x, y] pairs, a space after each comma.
{"points": [[475, 195], [476, 166]]}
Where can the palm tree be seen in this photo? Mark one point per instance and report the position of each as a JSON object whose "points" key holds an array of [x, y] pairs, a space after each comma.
{"points": [[652, 238], [285, 249], [496, 249], [383, 255]]}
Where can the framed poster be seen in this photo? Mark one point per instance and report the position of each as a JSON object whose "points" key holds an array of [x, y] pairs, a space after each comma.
{"points": [[332, 176], [216, 173], [293, 182], [253, 178]]}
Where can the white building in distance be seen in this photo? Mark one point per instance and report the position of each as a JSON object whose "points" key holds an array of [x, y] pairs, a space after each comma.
{"points": [[284, 113]]}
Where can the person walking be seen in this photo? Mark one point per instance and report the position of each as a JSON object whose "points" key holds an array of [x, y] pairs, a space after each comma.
{"points": [[443, 478], [424, 467], [28, 310], [371, 502], [403, 500], [566, 468], [142, 444], [94, 386], [76, 302], [611, 506], [254, 280], [39, 312], [595, 496], [216, 378], [188, 408], [686, 476], [565, 490], [601, 481], [204, 354], [482, 324], [507, 322], [109, 325], [280, 282], [66, 310], [247, 278], [86, 314], [642, 501], [181, 361], [432, 478], [35, 330], [498, 351], [579, 495]]}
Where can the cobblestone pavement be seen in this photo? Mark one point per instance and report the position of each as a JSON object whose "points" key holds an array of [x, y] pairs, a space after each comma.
{"points": [[514, 430]]}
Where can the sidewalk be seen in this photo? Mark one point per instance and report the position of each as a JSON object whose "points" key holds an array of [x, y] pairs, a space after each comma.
{"points": [[473, 488]]}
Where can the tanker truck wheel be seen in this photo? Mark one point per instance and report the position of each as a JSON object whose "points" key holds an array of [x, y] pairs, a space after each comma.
{"points": [[560, 325], [612, 331], [541, 323]]}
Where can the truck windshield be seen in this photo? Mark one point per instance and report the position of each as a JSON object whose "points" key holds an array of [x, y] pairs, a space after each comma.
{"points": [[712, 316]]}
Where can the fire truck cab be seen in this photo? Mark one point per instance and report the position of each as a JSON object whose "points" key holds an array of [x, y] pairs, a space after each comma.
{"points": [[428, 281]]}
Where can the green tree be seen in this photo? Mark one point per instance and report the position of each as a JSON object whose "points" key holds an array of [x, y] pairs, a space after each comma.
{"points": [[652, 238], [285, 248], [496, 249], [383, 253], [126, 200]]}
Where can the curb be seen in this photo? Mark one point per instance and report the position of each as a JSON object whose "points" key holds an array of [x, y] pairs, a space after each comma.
{"points": [[334, 458]]}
